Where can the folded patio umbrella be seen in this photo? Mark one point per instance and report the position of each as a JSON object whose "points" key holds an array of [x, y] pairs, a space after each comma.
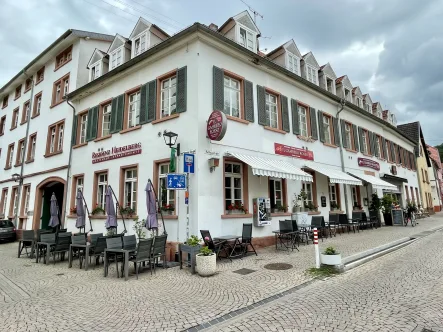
{"points": [[53, 209], [151, 220], [111, 217], [80, 223]]}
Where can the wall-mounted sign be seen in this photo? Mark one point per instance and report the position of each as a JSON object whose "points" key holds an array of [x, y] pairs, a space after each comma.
{"points": [[216, 126], [364, 162], [292, 151], [176, 181], [394, 170], [188, 162], [117, 152], [323, 201]]}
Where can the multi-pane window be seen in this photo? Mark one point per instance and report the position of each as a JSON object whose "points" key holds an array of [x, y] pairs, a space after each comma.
{"points": [[66, 87], [102, 182], [165, 196], [106, 120], [293, 63], [330, 85], [83, 126], [333, 199], [130, 193], [60, 137], [52, 140], [10, 156], [232, 96], [60, 90], [27, 196], [377, 146], [14, 201], [134, 110], [247, 39], [312, 75], [26, 112], [327, 129], [276, 190], [307, 188], [40, 75], [2, 125], [55, 138], [18, 91], [233, 184], [271, 110], [140, 44], [116, 58], [37, 104], [5, 101], [168, 96], [95, 71], [20, 151], [3, 201], [303, 120], [348, 135], [79, 184], [14, 118], [365, 142], [63, 57], [354, 192]]}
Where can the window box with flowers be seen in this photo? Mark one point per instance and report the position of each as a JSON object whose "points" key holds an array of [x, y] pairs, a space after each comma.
{"points": [[357, 207], [280, 208], [73, 211], [311, 207], [237, 208], [334, 206], [168, 209], [98, 211], [127, 212]]}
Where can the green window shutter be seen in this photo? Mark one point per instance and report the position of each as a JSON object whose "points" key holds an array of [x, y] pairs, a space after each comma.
{"points": [[249, 101], [393, 159], [120, 112], [320, 126], [313, 118], [261, 106], [74, 131], [89, 125], [384, 147], [355, 134], [218, 98], [336, 132], [295, 119], [181, 89], [92, 126], [114, 105], [284, 114], [376, 152], [360, 136], [371, 143], [144, 104], [343, 134], [151, 100]]}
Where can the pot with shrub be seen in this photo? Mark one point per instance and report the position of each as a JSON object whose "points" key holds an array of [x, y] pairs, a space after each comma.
{"points": [[298, 202], [98, 211], [334, 206], [127, 211], [386, 207], [206, 262], [330, 257]]}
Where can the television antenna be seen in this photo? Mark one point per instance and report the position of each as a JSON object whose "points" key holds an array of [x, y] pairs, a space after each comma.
{"points": [[256, 13]]}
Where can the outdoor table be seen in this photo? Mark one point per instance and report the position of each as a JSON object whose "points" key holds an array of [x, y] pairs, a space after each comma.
{"points": [[236, 240], [48, 250], [84, 247], [126, 259], [278, 236]]}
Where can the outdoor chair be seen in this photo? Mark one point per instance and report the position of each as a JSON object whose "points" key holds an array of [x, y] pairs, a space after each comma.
{"points": [[63, 230], [344, 222], [286, 234], [93, 238], [144, 250], [97, 249], [61, 246], [130, 242], [216, 246], [246, 240], [319, 223], [359, 219], [113, 243], [302, 234], [333, 224], [159, 250], [374, 219], [79, 239], [27, 241], [42, 231], [41, 249]]}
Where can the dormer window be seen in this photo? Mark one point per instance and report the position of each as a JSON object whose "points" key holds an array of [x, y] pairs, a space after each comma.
{"points": [[246, 38], [379, 114], [95, 71], [330, 85], [116, 58], [293, 63], [347, 94], [312, 74], [139, 43], [368, 108], [358, 102]]}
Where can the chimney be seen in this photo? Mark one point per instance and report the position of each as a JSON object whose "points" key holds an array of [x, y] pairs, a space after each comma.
{"points": [[213, 27]]}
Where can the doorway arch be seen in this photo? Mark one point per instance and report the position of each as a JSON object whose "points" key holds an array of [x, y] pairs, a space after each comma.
{"points": [[42, 191]]}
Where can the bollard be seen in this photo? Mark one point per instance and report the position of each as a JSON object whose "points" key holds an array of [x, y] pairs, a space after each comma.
{"points": [[317, 254]]}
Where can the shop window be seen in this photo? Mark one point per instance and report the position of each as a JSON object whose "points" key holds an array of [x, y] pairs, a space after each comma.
{"points": [[310, 189], [233, 184], [355, 191], [166, 197], [334, 199], [77, 184], [129, 188]]}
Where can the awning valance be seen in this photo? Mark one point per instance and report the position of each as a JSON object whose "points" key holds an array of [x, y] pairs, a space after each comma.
{"points": [[335, 176], [374, 181], [273, 167]]}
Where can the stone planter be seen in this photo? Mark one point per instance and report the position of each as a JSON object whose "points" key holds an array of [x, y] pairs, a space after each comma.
{"points": [[206, 265], [330, 259]]}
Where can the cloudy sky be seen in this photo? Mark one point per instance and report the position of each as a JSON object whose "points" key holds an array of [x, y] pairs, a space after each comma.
{"points": [[392, 49]]}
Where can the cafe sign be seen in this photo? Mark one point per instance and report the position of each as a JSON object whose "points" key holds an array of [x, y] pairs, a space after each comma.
{"points": [[116, 152], [291, 151], [216, 126], [365, 162]]}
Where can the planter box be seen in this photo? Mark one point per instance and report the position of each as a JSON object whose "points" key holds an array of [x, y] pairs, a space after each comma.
{"points": [[206, 265], [330, 259], [191, 250], [388, 219]]}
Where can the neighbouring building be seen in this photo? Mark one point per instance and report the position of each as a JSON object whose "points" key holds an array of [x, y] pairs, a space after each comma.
{"points": [[436, 178], [288, 129]]}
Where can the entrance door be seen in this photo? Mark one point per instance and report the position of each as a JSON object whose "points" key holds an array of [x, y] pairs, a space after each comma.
{"points": [[56, 188]]}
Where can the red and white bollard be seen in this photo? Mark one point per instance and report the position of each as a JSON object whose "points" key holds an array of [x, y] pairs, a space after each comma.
{"points": [[317, 253]]}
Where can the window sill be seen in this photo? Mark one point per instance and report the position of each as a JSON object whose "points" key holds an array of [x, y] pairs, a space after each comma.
{"points": [[126, 217], [91, 216], [57, 103], [6, 168], [236, 216], [79, 145], [22, 123], [127, 130], [12, 128], [306, 139], [280, 214], [64, 63], [170, 217], [336, 212], [367, 155], [36, 83], [233, 118], [29, 161], [102, 138], [330, 145], [352, 151], [27, 90], [313, 213], [47, 155], [173, 116], [17, 97], [35, 115], [275, 130]]}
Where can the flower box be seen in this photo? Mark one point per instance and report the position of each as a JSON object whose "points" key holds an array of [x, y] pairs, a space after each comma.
{"points": [[206, 265], [330, 259]]}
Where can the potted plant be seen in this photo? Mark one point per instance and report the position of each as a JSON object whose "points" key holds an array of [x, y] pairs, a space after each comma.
{"points": [[127, 211], [386, 207], [206, 262], [73, 210], [98, 211], [334, 206], [280, 208], [311, 206], [357, 207], [330, 257], [237, 208], [168, 209], [139, 228], [299, 201], [375, 206]]}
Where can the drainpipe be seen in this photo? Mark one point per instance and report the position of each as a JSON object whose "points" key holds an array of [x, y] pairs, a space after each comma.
{"points": [[342, 157], [68, 172], [25, 145]]}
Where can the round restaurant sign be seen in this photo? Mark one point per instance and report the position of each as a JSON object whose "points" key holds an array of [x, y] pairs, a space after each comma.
{"points": [[216, 126]]}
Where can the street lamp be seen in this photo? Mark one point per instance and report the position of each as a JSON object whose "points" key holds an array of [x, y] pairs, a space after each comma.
{"points": [[170, 138], [17, 178]]}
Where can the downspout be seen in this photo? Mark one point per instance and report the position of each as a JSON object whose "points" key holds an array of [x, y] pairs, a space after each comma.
{"points": [[25, 146], [342, 157], [68, 171]]}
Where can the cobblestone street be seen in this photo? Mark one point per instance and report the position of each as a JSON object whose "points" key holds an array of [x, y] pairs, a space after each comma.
{"points": [[37, 297]]}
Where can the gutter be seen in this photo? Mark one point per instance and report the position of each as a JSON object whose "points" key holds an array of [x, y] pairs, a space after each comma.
{"points": [[68, 171], [342, 157]]}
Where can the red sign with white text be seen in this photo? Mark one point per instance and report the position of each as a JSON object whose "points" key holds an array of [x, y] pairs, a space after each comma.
{"points": [[364, 162], [216, 126], [116, 153], [291, 151]]}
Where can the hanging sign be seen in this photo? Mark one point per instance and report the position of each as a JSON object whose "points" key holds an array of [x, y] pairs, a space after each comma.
{"points": [[216, 126], [116, 152], [292, 151], [365, 162]]}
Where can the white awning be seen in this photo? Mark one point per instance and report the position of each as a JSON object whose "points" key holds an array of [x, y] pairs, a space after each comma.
{"points": [[335, 176], [273, 167], [376, 183]]}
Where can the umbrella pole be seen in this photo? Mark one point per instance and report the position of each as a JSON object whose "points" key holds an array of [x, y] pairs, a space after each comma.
{"points": [[159, 208], [117, 205], [87, 209]]}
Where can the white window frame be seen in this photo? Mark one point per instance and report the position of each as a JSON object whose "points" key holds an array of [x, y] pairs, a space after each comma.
{"points": [[96, 70], [348, 97], [39, 104], [79, 183], [229, 92], [21, 152], [327, 129], [26, 203], [348, 135], [115, 56], [106, 114], [295, 66], [233, 175], [33, 143], [58, 92], [253, 48], [170, 194], [303, 123], [134, 109], [274, 194], [271, 107], [146, 36], [332, 84], [379, 114], [311, 74], [167, 104], [358, 102], [52, 139], [101, 189], [378, 145], [308, 188], [83, 128], [60, 137], [11, 156], [333, 194], [27, 111], [365, 142], [130, 182]]}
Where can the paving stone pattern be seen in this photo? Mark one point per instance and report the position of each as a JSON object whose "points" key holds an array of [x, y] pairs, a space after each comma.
{"points": [[37, 297]]}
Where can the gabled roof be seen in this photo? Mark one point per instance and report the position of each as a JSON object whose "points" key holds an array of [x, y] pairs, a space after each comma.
{"points": [[310, 59], [356, 90], [117, 42], [366, 98], [327, 69], [290, 46], [143, 25], [414, 132], [434, 154], [385, 114], [344, 80], [96, 56], [245, 19]]}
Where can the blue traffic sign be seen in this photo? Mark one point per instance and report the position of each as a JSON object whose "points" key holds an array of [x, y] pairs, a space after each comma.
{"points": [[176, 181], [188, 165]]}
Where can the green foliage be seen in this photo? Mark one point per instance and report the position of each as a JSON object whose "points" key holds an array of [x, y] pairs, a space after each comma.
{"points": [[386, 203], [330, 251], [322, 272], [311, 206], [138, 228], [334, 205], [193, 241], [205, 251], [97, 210], [376, 203]]}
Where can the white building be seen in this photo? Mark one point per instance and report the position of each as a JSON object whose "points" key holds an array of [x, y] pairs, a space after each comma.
{"points": [[277, 119], [36, 126]]}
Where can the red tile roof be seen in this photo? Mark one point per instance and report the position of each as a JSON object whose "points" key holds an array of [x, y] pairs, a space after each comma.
{"points": [[434, 154], [374, 105], [385, 114], [338, 80]]}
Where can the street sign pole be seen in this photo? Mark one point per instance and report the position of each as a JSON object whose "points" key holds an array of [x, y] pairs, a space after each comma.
{"points": [[187, 205]]}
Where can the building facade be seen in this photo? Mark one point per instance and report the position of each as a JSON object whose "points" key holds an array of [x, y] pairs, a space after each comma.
{"points": [[436, 178]]}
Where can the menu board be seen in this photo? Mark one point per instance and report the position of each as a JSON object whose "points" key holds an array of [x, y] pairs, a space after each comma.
{"points": [[397, 217]]}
